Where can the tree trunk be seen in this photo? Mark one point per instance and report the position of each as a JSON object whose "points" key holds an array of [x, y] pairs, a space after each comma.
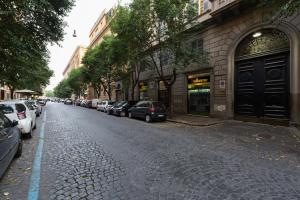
{"points": [[12, 89], [169, 89]]}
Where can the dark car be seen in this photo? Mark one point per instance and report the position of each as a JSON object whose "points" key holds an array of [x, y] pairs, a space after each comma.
{"points": [[148, 110], [78, 102], [88, 104], [83, 102], [10, 142], [121, 109], [68, 102]]}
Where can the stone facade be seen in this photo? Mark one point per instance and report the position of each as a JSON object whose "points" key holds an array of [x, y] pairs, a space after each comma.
{"points": [[75, 60], [101, 29], [220, 36]]}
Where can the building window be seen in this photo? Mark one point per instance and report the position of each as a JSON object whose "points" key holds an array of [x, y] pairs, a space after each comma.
{"points": [[164, 59], [205, 5], [262, 41], [143, 88], [197, 46]]}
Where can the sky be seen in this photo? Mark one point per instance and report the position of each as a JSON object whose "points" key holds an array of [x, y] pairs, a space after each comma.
{"points": [[82, 17]]}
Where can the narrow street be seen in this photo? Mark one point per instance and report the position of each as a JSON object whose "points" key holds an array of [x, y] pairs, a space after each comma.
{"points": [[91, 155]]}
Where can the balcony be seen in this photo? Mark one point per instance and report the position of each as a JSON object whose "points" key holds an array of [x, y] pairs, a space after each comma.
{"points": [[218, 6]]}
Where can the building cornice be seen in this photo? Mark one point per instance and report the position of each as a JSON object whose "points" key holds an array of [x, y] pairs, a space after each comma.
{"points": [[73, 55]]}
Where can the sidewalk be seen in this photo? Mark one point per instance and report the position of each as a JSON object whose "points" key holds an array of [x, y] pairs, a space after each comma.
{"points": [[202, 121], [195, 120]]}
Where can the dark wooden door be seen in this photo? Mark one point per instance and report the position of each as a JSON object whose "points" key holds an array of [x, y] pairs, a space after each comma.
{"points": [[262, 86]]}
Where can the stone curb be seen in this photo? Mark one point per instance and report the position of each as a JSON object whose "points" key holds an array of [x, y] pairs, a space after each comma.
{"points": [[295, 131], [194, 124]]}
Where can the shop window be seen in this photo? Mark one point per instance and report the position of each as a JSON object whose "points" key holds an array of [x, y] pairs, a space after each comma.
{"points": [[143, 88], [205, 5], [198, 94]]}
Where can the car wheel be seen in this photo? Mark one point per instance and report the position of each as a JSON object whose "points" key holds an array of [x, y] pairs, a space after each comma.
{"points": [[123, 114], [34, 125], [129, 115], [148, 118], [30, 132], [19, 151]]}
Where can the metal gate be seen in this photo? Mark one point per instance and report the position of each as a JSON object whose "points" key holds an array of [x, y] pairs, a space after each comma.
{"points": [[262, 86]]}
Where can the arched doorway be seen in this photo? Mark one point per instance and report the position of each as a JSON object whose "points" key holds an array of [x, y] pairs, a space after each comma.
{"points": [[262, 75]]}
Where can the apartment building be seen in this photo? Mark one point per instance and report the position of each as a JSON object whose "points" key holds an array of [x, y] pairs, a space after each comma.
{"points": [[253, 73], [100, 29], [75, 60]]}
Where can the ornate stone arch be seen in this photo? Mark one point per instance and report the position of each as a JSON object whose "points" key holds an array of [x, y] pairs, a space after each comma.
{"points": [[293, 35]]}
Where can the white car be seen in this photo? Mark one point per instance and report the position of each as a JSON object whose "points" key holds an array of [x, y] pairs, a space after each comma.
{"points": [[95, 103], [102, 106], [22, 112]]}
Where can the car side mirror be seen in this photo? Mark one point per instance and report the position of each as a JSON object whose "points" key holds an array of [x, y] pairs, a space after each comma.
{"points": [[14, 123]]}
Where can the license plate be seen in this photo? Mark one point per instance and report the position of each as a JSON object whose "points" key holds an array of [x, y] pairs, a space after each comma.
{"points": [[160, 115]]}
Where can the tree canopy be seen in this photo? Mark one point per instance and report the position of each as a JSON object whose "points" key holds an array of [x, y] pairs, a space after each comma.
{"points": [[155, 34], [76, 81], [26, 27], [63, 90], [102, 64]]}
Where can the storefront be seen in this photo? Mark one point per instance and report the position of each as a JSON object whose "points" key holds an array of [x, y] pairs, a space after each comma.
{"points": [[198, 94], [143, 89]]}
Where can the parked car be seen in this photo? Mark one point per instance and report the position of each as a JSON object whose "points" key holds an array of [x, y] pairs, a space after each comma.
{"points": [[121, 109], [38, 108], [109, 107], [83, 102], [88, 104], [103, 105], [78, 102], [21, 112], [10, 142], [148, 110], [42, 102], [95, 103], [68, 102]]}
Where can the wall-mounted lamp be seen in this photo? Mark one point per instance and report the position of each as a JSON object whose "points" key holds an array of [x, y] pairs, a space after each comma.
{"points": [[257, 34]]}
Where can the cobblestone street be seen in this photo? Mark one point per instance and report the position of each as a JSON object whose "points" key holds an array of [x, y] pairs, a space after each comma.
{"points": [[91, 155]]}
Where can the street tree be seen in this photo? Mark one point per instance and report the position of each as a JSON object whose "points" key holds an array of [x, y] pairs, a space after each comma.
{"points": [[76, 82], [33, 74], [63, 90], [101, 65], [278, 10], [49, 93], [160, 31], [26, 27], [132, 31]]}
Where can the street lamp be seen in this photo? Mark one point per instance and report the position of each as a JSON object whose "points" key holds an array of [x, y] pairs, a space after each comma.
{"points": [[74, 34]]}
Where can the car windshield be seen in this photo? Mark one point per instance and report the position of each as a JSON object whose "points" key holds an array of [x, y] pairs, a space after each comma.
{"points": [[6, 109], [111, 103], [31, 102]]}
